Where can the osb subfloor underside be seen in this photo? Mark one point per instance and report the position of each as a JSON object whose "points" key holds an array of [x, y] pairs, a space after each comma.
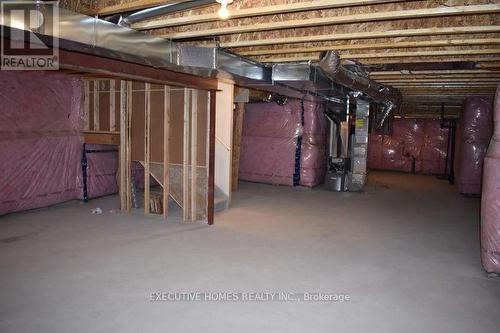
{"points": [[406, 251]]}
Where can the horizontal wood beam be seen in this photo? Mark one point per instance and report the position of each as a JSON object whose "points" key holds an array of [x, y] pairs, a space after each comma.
{"points": [[480, 60], [495, 66], [442, 84], [435, 76], [433, 72], [102, 138], [315, 57], [345, 19], [363, 46], [122, 7], [256, 11], [129, 71], [365, 35], [439, 80]]}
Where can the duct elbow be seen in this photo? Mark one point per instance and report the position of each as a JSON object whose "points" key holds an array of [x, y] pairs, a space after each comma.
{"points": [[330, 63]]}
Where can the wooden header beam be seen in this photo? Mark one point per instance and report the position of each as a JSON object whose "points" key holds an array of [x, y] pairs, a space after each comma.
{"points": [[355, 18], [130, 71]]}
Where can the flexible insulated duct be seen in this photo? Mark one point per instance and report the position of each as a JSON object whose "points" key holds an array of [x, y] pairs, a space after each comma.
{"points": [[388, 96]]}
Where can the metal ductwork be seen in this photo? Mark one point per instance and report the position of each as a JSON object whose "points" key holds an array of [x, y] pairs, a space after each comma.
{"points": [[161, 10], [91, 35], [388, 96]]}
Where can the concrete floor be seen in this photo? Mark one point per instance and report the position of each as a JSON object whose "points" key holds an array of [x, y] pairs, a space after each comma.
{"points": [[406, 251]]}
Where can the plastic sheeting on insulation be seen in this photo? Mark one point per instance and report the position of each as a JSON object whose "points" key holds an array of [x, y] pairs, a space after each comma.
{"points": [[476, 127], [490, 200], [270, 143], [40, 146], [416, 145], [102, 168]]}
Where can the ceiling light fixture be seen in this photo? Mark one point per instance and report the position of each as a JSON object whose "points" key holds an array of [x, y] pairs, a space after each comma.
{"points": [[223, 11]]}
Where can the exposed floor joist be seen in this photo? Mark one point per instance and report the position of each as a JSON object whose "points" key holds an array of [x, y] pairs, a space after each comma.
{"points": [[462, 53], [257, 11], [435, 72], [389, 45], [131, 6], [364, 35], [357, 18]]}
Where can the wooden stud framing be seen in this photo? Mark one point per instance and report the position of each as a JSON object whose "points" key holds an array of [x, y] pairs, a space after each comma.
{"points": [[211, 158], [128, 144], [185, 157], [147, 148], [97, 126], [166, 149], [237, 136], [124, 193], [345, 19], [194, 153], [365, 35], [256, 11], [112, 106], [86, 105]]}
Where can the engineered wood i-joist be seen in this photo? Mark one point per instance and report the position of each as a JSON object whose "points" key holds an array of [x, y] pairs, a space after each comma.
{"points": [[364, 35], [434, 53], [434, 80], [378, 61], [256, 11], [356, 18], [363, 46], [434, 76], [131, 6], [433, 72]]}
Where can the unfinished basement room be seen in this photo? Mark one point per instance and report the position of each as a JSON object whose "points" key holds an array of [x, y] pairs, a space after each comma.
{"points": [[250, 166]]}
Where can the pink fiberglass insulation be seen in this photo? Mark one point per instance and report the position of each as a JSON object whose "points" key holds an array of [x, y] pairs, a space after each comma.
{"points": [[314, 139], [415, 145], [267, 160], [434, 150], [102, 167], [476, 126], [269, 143], [490, 200], [40, 144]]}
